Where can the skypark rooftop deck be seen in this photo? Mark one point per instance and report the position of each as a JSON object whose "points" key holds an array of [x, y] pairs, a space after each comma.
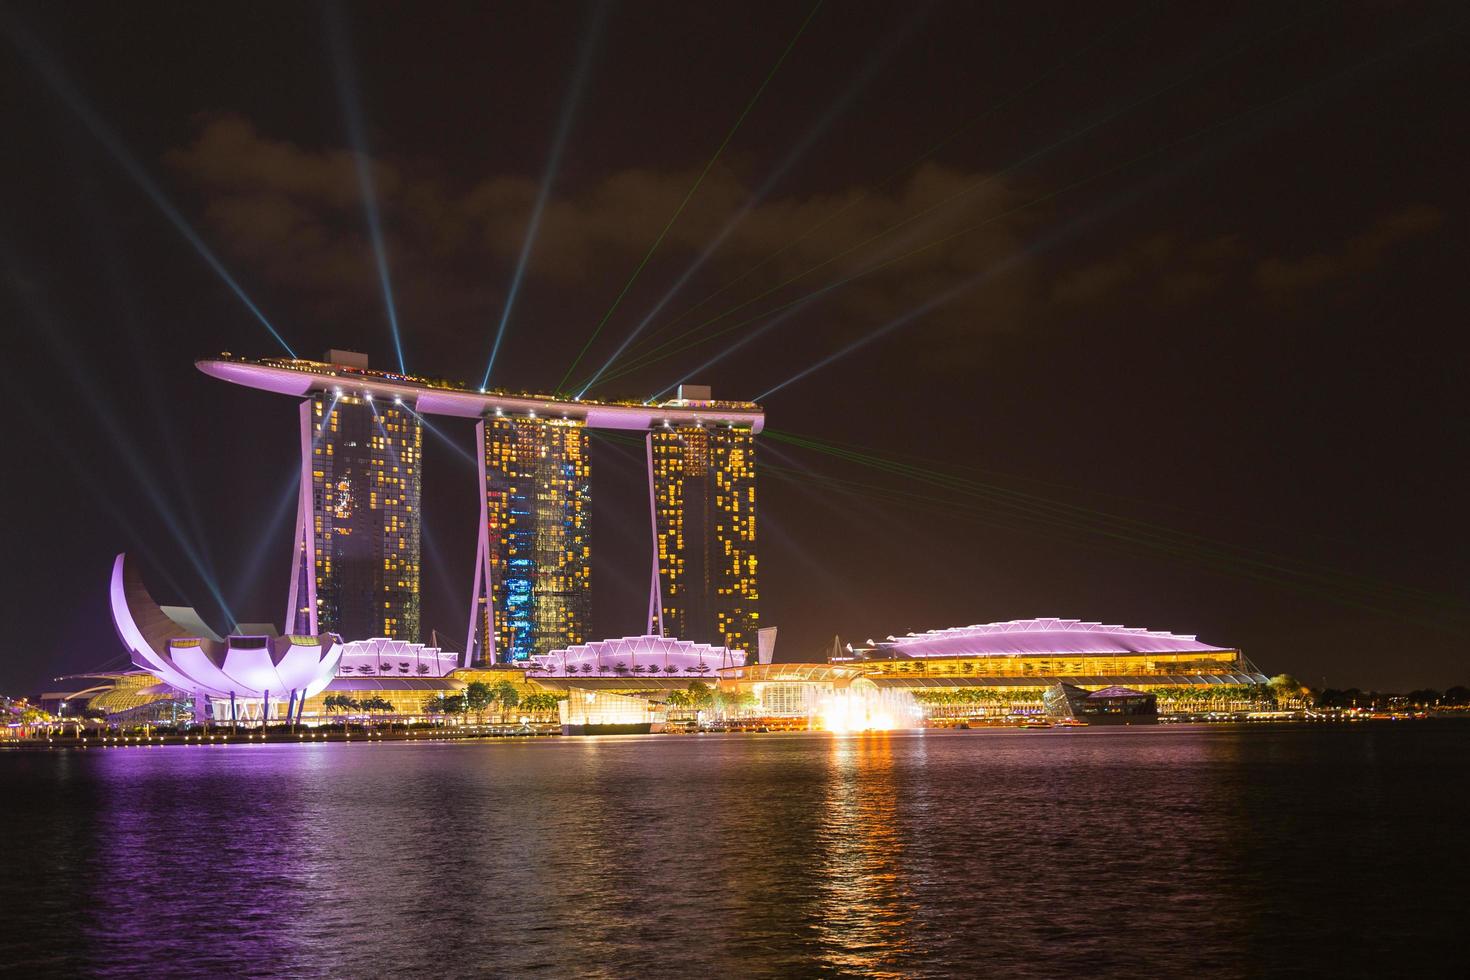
{"points": [[432, 396]]}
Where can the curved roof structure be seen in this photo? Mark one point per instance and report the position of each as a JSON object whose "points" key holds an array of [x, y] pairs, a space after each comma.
{"points": [[386, 657], [836, 674], [239, 666], [636, 655], [1039, 637], [301, 377]]}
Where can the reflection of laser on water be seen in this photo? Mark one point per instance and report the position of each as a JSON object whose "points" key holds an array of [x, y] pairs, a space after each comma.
{"points": [[864, 707]]}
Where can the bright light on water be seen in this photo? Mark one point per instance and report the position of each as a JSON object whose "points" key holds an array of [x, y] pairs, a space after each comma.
{"points": [[864, 708]]}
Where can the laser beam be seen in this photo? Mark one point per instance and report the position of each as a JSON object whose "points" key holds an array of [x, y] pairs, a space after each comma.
{"points": [[815, 132], [654, 355], [39, 319], [459, 450], [347, 91], [968, 124], [561, 385], [744, 339], [969, 189], [50, 71], [570, 102]]}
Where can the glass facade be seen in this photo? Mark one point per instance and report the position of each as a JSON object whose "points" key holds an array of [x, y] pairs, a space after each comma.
{"points": [[537, 497], [705, 533], [365, 476]]}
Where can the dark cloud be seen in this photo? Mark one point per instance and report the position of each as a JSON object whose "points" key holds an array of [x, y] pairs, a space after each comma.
{"points": [[1361, 255], [1166, 272], [294, 214]]}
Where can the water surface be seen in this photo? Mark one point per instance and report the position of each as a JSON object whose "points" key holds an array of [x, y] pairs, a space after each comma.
{"points": [[1215, 851]]}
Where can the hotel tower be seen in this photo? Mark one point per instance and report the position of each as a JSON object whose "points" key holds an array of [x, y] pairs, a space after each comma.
{"points": [[356, 558], [533, 566], [702, 478], [355, 565]]}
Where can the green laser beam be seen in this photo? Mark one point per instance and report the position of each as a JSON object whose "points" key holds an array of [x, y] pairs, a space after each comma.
{"points": [[962, 192], [1046, 506], [954, 134], [561, 385], [654, 356]]}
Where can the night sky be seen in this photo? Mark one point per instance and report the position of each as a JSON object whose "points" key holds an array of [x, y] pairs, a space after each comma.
{"points": [[1136, 313]]}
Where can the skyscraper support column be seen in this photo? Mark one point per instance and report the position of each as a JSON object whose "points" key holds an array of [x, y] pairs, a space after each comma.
{"points": [[482, 606], [301, 611], [655, 591]]}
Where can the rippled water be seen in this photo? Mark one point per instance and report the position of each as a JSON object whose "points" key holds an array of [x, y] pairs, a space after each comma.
{"points": [[1144, 852]]}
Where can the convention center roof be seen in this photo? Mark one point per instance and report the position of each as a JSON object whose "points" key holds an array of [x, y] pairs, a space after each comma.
{"points": [[1039, 637]]}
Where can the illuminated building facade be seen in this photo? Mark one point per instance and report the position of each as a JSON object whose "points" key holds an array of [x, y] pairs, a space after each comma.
{"points": [[533, 573], [355, 569], [702, 480], [357, 559]]}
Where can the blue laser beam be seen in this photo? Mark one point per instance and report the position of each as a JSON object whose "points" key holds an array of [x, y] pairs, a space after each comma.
{"points": [[746, 338], [570, 103], [39, 319], [688, 195], [273, 533], [794, 156], [459, 450], [1111, 206], [347, 91], [46, 66]]}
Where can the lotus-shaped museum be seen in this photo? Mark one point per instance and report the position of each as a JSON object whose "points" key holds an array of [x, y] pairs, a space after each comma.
{"points": [[174, 645]]}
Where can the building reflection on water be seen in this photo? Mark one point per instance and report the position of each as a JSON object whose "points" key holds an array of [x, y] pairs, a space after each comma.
{"points": [[865, 911], [1169, 851]]}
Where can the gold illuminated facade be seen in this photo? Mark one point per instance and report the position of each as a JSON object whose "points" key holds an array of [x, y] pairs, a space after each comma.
{"points": [[535, 540], [703, 483], [1137, 667], [362, 520]]}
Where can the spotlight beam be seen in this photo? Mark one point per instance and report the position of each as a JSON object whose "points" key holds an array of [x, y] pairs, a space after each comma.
{"points": [[1015, 510], [46, 66], [459, 450], [972, 187], [570, 102], [955, 292], [744, 339], [561, 385], [40, 321], [669, 349], [347, 91], [968, 124], [274, 530], [817, 130]]}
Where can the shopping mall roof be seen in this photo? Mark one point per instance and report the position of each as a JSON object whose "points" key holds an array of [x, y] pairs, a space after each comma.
{"points": [[636, 655], [1039, 637]]}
